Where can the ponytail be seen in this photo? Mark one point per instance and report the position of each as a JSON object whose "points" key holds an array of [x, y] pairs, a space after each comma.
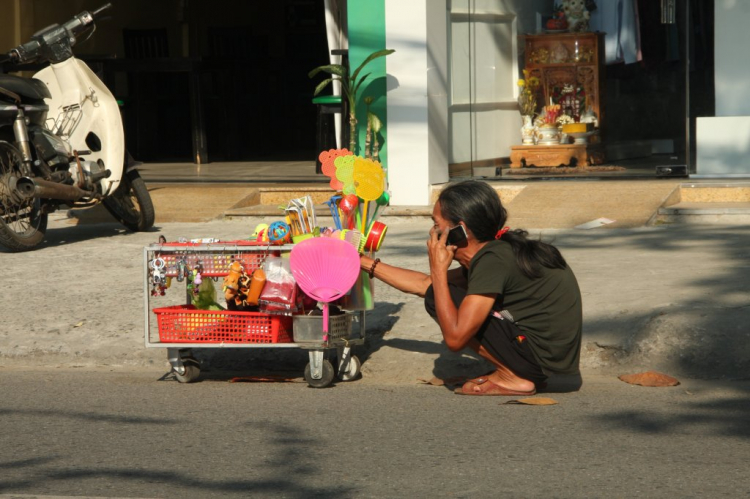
{"points": [[532, 255], [479, 207]]}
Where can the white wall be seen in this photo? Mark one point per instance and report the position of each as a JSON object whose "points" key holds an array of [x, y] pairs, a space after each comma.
{"points": [[723, 146], [408, 140], [723, 142], [732, 72], [437, 90]]}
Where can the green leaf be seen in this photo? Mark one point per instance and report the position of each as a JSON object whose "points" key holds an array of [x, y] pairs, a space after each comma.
{"points": [[360, 82], [370, 58], [374, 122], [334, 69], [323, 84]]}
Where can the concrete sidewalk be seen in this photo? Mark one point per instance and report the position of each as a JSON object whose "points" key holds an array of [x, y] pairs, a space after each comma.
{"points": [[194, 193], [670, 298], [190, 193], [187, 193]]}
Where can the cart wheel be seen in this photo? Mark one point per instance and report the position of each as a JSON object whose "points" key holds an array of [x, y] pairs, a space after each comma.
{"points": [[192, 371], [353, 372], [323, 381]]}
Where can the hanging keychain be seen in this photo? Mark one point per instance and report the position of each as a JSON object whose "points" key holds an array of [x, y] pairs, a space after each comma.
{"points": [[197, 277], [157, 276], [181, 269]]}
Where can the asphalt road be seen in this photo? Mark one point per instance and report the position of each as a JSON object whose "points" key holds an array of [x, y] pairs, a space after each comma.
{"points": [[106, 424], [125, 433]]}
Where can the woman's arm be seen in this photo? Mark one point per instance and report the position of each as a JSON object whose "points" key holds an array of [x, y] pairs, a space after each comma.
{"points": [[405, 280], [458, 325]]}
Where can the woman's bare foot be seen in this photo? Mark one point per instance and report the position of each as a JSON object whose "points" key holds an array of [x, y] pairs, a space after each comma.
{"points": [[484, 386], [507, 379]]}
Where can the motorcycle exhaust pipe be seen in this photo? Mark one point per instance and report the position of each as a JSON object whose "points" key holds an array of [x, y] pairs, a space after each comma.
{"points": [[27, 187]]}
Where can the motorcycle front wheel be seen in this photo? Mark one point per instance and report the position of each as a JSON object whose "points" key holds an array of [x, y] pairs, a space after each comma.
{"points": [[131, 203], [22, 223]]}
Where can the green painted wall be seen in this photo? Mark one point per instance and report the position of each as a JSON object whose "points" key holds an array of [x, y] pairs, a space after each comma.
{"points": [[366, 21]]}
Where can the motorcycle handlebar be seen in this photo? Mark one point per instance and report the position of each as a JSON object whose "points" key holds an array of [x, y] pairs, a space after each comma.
{"points": [[53, 36], [25, 52], [101, 9], [85, 19]]}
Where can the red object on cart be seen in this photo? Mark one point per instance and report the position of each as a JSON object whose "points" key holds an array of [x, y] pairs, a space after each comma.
{"points": [[186, 324]]}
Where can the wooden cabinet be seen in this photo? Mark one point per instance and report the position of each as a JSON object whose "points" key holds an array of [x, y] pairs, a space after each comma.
{"points": [[570, 68], [572, 59]]}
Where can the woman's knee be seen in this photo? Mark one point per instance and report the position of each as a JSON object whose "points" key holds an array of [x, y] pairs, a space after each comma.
{"points": [[457, 296]]}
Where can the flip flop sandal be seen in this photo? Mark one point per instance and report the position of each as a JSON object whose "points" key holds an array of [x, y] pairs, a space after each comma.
{"points": [[489, 388]]}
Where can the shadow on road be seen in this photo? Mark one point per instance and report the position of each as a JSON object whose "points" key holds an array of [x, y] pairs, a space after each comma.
{"points": [[721, 415], [69, 234], [285, 470], [88, 416]]}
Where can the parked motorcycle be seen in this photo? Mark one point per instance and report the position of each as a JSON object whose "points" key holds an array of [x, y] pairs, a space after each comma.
{"points": [[62, 141]]}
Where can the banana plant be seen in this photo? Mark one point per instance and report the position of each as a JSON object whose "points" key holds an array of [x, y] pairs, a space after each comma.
{"points": [[372, 147], [350, 85]]}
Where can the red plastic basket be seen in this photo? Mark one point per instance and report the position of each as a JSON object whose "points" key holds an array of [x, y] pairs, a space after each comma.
{"points": [[186, 324]]}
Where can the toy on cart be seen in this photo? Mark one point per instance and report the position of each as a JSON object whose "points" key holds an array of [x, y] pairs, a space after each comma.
{"points": [[180, 325], [272, 281]]}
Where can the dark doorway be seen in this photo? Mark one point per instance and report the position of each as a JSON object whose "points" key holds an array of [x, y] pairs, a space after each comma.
{"points": [[652, 104], [222, 84]]}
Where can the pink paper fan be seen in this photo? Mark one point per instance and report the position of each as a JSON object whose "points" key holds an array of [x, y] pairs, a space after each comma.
{"points": [[324, 269]]}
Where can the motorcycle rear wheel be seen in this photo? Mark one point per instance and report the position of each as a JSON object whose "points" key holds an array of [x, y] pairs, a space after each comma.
{"points": [[22, 223], [131, 203]]}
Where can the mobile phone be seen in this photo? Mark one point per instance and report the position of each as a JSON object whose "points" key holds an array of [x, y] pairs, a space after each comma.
{"points": [[457, 236]]}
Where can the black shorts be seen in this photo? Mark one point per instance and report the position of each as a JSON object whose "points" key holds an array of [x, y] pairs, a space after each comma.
{"points": [[500, 337]]}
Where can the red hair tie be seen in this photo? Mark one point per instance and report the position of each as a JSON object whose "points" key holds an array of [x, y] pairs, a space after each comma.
{"points": [[501, 232]]}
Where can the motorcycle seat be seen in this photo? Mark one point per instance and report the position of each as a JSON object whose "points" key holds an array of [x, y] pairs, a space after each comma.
{"points": [[25, 87]]}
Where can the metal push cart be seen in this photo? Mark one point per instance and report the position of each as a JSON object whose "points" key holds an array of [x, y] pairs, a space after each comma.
{"points": [[180, 327]]}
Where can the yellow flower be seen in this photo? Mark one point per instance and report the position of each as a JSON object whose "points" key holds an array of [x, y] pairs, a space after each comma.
{"points": [[534, 81], [521, 83]]}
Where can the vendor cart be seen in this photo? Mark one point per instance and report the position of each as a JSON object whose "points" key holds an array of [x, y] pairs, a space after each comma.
{"points": [[172, 322]]}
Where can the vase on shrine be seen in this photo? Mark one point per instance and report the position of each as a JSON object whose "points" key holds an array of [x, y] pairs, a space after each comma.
{"points": [[527, 131], [548, 135]]}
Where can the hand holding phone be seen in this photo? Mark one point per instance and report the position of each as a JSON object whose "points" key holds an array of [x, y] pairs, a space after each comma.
{"points": [[457, 236]]}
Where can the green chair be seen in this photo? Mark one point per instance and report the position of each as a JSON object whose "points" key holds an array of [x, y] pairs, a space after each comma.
{"points": [[328, 106]]}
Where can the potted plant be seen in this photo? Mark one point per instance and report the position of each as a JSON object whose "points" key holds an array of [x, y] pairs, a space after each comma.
{"points": [[350, 85], [529, 86]]}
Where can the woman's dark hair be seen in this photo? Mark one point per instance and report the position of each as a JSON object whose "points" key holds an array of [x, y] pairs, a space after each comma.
{"points": [[478, 206]]}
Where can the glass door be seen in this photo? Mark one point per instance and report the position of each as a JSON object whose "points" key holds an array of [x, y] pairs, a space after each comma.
{"points": [[482, 93]]}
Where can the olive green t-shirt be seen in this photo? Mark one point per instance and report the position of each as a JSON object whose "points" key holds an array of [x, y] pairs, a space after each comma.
{"points": [[548, 309]]}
